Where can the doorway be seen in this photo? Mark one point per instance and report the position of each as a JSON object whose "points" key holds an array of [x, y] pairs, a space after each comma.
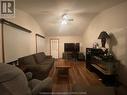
{"points": [[54, 48]]}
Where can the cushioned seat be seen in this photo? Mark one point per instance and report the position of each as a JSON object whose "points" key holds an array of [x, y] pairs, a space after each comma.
{"points": [[40, 68], [27, 60], [11, 78], [38, 71], [14, 82], [41, 59], [41, 86]]}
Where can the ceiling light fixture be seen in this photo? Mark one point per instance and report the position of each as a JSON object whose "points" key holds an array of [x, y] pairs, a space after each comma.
{"points": [[65, 17], [64, 20]]}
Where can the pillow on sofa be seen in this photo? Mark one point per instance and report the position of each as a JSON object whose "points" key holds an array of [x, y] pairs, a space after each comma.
{"points": [[27, 60]]}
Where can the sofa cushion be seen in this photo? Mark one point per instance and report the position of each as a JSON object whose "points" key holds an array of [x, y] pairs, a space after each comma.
{"points": [[8, 72], [39, 71], [27, 60], [13, 81], [43, 55], [39, 58], [42, 59], [41, 86], [37, 68]]}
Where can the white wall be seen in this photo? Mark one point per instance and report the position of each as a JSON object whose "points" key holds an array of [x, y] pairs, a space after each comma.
{"points": [[62, 40], [25, 20], [114, 21]]}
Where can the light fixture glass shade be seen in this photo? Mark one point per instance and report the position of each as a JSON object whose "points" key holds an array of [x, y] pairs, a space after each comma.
{"points": [[103, 35], [65, 17], [63, 22]]}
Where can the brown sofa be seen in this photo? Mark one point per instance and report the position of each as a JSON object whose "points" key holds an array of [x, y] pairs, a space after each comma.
{"points": [[38, 64]]}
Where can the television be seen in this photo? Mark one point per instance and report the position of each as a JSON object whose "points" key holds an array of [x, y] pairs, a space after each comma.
{"points": [[71, 47]]}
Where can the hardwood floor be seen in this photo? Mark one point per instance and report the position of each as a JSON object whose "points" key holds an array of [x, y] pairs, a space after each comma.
{"points": [[78, 74]]}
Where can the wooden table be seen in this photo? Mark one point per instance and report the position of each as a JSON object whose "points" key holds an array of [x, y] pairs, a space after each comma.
{"points": [[62, 69]]}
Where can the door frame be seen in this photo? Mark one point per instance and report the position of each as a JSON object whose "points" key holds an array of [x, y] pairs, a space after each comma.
{"points": [[58, 45]]}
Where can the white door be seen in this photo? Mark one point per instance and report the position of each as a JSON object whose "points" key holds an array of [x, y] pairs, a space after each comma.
{"points": [[54, 43]]}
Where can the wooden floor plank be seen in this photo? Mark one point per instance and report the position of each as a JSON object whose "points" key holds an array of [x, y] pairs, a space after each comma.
{"points": [[78, 74]]}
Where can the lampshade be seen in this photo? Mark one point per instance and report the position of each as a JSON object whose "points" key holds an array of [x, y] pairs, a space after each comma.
{"points": [[103, 35]]}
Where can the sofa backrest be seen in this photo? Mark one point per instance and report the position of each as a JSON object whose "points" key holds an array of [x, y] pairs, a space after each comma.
{"points": [[43, 55], [27, 60], [13, 81], [39, 58]]}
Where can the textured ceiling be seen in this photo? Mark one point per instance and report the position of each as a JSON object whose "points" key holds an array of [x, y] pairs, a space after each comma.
{"points": [[48, 13]]}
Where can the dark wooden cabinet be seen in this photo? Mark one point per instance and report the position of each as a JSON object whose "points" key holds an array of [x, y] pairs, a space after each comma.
{"points": [[104, 66], [91, 54]]}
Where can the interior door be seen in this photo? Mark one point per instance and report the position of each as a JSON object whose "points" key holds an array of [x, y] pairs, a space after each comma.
{"points": [[54, 48]]}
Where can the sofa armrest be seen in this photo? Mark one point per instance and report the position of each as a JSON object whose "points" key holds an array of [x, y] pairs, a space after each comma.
{"points": [[39, 87]]}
